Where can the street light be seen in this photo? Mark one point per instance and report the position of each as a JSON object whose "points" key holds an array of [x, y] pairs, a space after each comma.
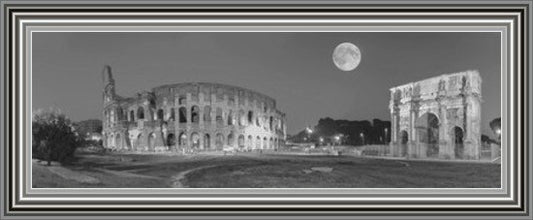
{"points": [[309, 131], [386, 139], [362, 137]]}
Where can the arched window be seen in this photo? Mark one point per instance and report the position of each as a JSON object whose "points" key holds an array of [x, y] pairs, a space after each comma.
{"points": [[241, 141], [182, 100], [195, 140], [151, 141], [250, 117], [265, 143], [160, 114], [271, 122], [250, 143], [140, 113], [183, 114], [219, 117], [458, 142], [182, 139], [195, 114], [230, 118], [118, 143], [241, 118], [219, 141], [258, 143], [171, 140], [207, 142], [231, 139]]}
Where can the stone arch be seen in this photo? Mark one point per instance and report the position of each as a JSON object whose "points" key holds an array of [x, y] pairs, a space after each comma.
{"points": [[231, 139], [219, 116], [250, 117], [171, 140], [230, 118], [242, 118], [271, 123], [258, 143], [160, 114], [241, 141], [182, 100], [118, 141], [195, 114], [250, 142], [207, 141], [151, 141], [195, 140], [403, 142], [183, 114], [427, 128], [111, 141], [458, 145], [140, 112], [182, 139], [219, 141], [207, 113], [265, 143], [271, 143]]}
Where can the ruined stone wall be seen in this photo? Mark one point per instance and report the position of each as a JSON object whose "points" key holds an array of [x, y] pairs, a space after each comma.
{"points": [[201, 116], [452, 104]]}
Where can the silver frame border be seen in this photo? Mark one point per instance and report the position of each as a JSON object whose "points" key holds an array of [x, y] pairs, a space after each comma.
{"points": [[511, 196]]}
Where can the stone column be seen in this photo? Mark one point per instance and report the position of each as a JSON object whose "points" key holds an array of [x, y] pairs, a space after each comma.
{"points": [[445, 145], [201, 109], [472, 141], [189, 109], [495, 151], [201, 141]]}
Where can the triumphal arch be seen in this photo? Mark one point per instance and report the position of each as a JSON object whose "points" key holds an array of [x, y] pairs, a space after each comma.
{"points": [[437, 117]]}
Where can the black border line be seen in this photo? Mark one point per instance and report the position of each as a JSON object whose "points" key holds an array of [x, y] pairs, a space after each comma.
{"points": [[522, 127]]}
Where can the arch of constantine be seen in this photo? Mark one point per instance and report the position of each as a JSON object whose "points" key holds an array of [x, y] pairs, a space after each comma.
{"points": [[437, 117]]}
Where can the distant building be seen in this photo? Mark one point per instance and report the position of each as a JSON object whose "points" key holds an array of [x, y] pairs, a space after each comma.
{"points": [[199, 116], [89, 129], [438, 117]]}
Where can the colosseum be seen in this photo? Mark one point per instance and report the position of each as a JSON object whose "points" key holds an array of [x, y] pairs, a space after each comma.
{"points": [[187, 117]]}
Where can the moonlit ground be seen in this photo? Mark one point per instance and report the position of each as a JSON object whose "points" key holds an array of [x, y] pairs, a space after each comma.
{"points": [[266, 170]]}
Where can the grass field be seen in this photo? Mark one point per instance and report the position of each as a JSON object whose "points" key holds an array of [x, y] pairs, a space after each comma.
{"points": [[263, 171]]}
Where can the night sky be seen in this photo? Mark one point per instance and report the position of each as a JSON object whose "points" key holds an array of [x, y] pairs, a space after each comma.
{"points": [[296, 69]]}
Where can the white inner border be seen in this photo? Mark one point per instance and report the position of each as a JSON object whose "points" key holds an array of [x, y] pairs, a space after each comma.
{"points": [[173, 26]]}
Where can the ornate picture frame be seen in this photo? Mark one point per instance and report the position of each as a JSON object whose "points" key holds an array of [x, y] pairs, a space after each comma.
{"points": [[22, 18]]}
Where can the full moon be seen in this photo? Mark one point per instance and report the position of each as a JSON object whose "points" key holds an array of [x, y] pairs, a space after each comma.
{"points": [[346, 56]]}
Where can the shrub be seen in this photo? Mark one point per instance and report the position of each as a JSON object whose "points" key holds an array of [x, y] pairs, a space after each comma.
{"points": [[54, 138]]}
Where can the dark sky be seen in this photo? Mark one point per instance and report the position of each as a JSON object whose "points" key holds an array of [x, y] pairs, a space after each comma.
{"points": [[296, 69]]}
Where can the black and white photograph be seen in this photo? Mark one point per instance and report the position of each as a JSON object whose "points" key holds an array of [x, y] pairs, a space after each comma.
{"points": [[266, 109]]}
